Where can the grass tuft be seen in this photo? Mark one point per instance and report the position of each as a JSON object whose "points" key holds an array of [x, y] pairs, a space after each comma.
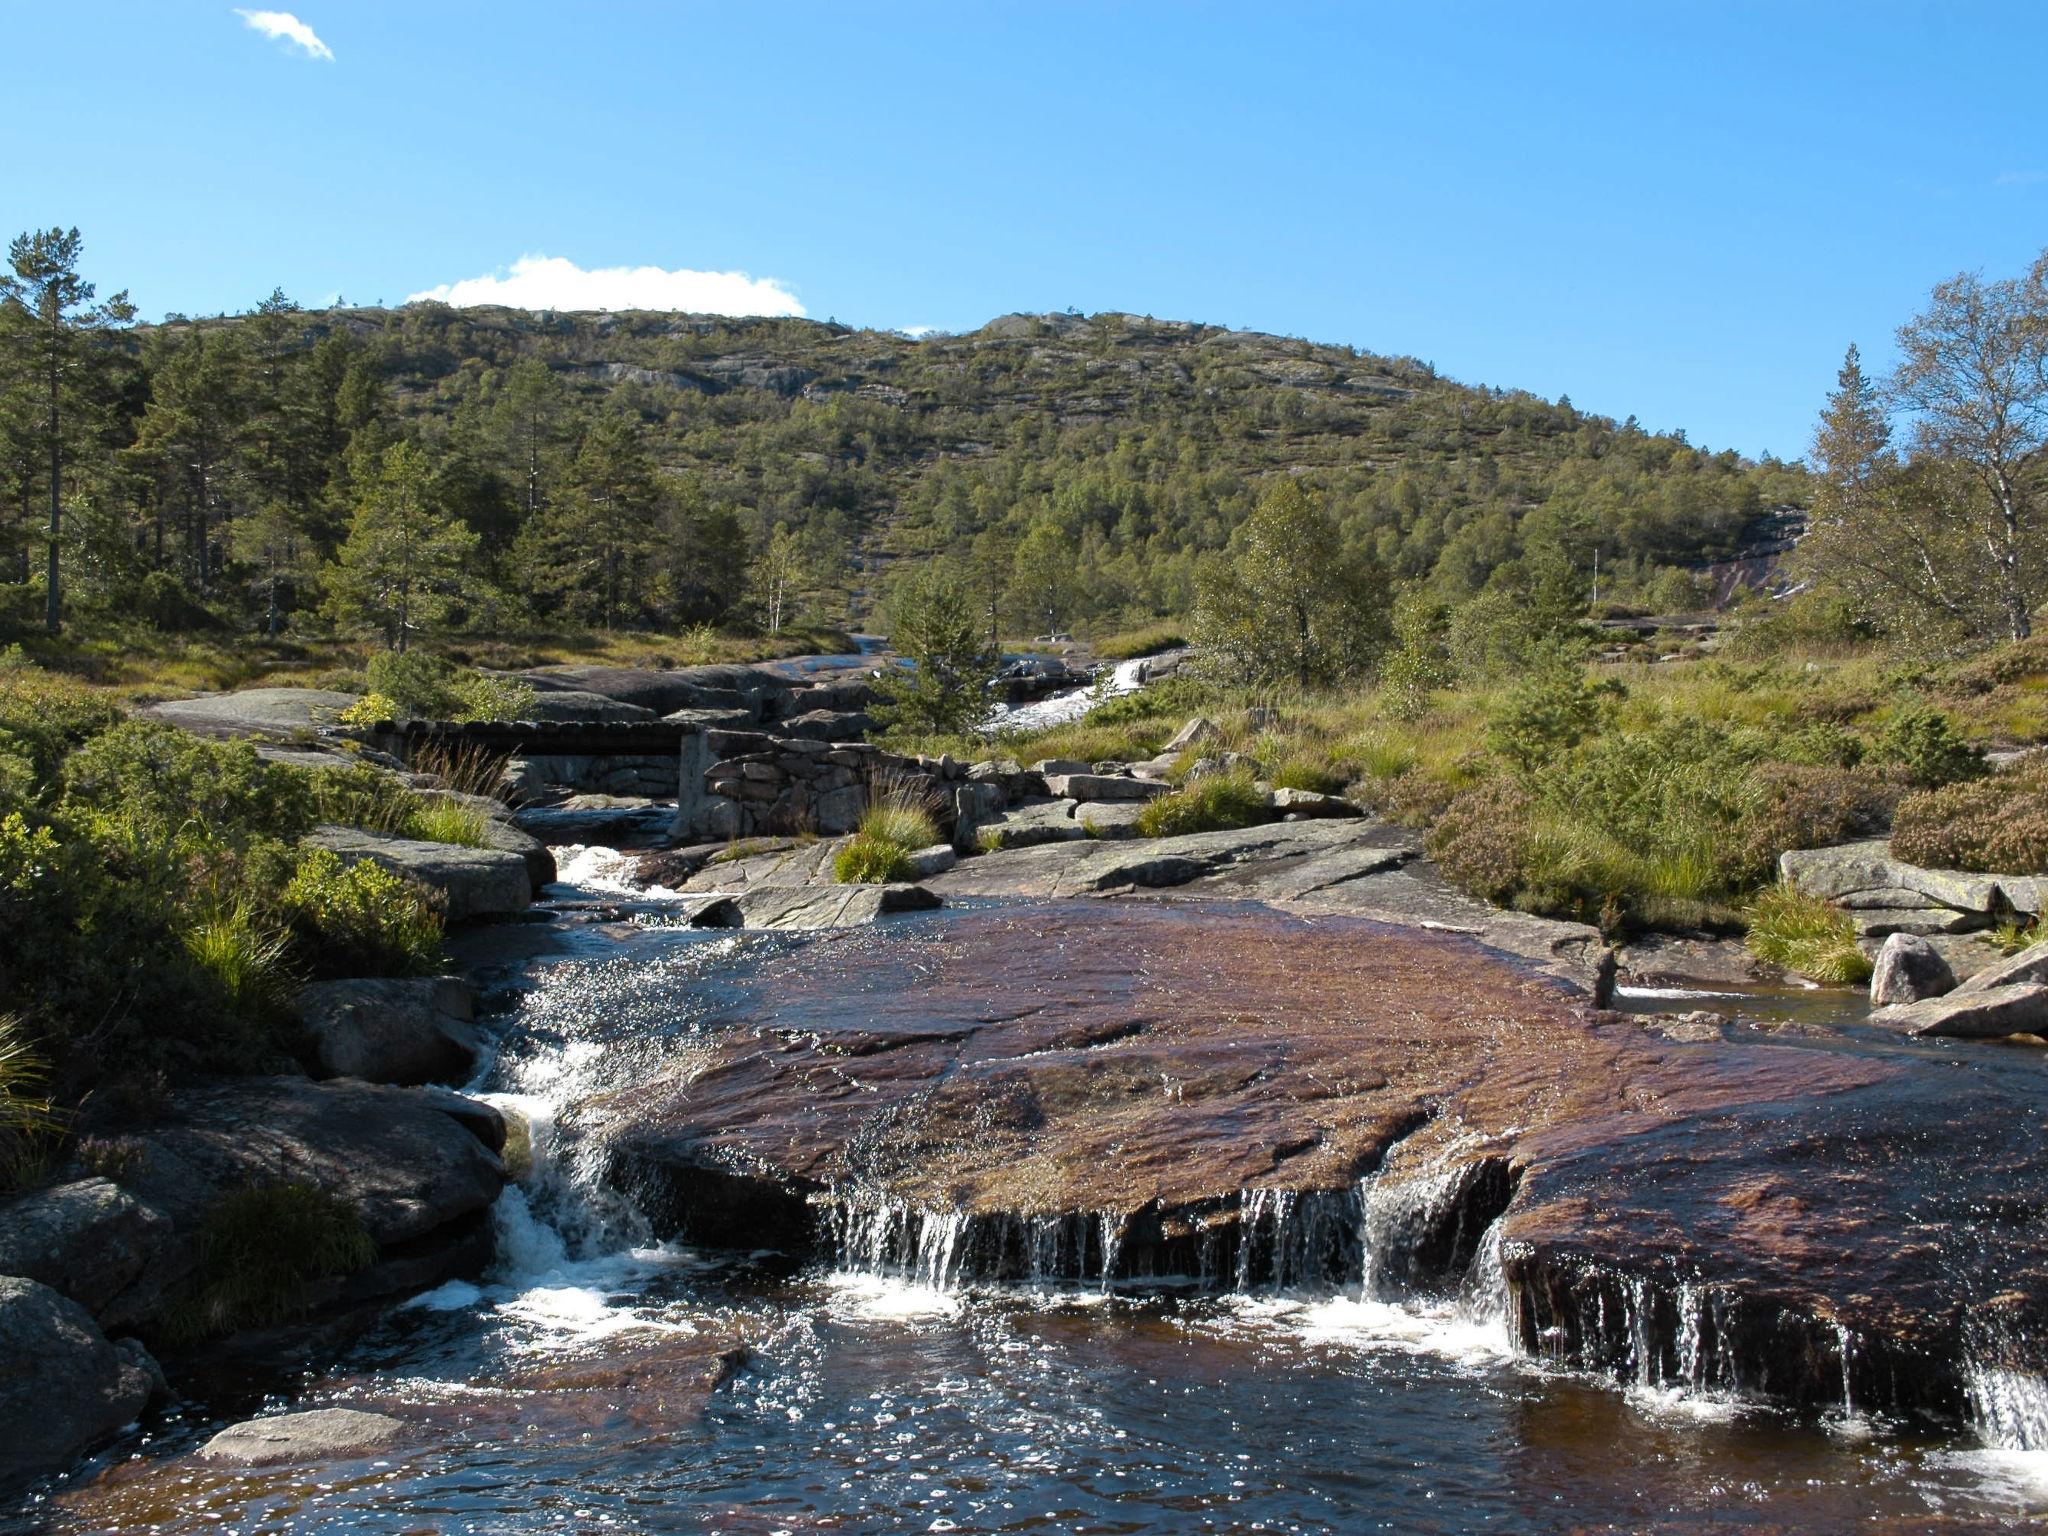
{"points": [[1213, 803], [1806, 935]]}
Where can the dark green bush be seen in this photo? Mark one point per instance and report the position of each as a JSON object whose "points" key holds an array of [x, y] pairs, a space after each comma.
{"points": [[1925, 743], [1995, 825], [424, 686], [1823, 744], [1549, 711], [261, 1249], [1215, 802]]}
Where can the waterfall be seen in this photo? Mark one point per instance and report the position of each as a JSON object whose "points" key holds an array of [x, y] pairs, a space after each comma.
{"points": [[2008, 1407]]}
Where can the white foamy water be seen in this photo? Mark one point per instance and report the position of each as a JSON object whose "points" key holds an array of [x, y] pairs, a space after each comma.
{"points": [[590, 869], [1063, 708], [885, 1298]]}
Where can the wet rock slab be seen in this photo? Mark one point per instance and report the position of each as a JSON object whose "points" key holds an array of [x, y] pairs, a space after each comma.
{"points": [[1147, 1089]]}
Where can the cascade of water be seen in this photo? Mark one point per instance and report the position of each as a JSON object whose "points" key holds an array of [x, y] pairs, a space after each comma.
{"points": [[2008, 1407]]}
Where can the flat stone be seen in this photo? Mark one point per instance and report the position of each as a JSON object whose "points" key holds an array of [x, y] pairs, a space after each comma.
{"points": [[1882, 922], [1035, 822], [1198, 732], [319, 1434], [1046, 767], [474, 882], [2020, 1008], [935, 860], [2029, 965], [1307, 803], [816, 906], [1908, 970], [570, 706], [272, 712], [1865, 873], [1109, 818], [1102, 786]]}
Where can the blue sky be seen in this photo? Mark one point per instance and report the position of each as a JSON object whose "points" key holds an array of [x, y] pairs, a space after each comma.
{"points": [[1681, 211]]}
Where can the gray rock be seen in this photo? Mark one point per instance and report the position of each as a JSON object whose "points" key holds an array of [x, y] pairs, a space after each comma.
{"points": [[408, 1166], [272, 712], [1908, 969], [711, 719], [666, 691], [2020, 1008], [976, 804], [1102, 786], [1923, 922], [319, 1434], [1307, 803], [1865, 875], [63, 1387], [571, 706], [1035, 822], [935, 860], [2029, 965], [1109, 818], [392, 1030], [474, 882], [89, 1239], [828, 725], [1052, 765], [814, 906], [1198, 732]]}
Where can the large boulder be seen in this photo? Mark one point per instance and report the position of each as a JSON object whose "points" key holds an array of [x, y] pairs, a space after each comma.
{"points": [[665, 691], [317, 1434], [404, 1030], [260, 712], [1987, 1013], [1886, 895], [63, 1387], [474, 882], [1908, 969], [89, 1238], [415, 1164]]}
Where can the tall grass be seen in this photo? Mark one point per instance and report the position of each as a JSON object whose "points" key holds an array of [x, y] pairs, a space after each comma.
{"points": [[1216, 802], [243, 955], [1805, 935], [898, 821], [29, 1122]]}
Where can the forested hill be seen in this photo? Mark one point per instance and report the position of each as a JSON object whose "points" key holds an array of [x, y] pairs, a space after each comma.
{"points": [[1080, 466]]}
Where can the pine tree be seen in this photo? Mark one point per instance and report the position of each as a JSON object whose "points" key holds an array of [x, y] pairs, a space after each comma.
{"points": [[51, 331], [403, 556]]}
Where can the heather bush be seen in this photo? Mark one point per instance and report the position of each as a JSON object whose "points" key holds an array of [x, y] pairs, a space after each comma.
{"points": [[1996, 825], [1480, 841]]}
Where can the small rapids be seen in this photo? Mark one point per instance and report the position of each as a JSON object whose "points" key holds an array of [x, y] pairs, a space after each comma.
{"points": [[1066, 707], [1343, 1359]]}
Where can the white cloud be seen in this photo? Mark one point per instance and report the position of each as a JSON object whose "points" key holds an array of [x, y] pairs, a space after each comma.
{"points": [[284, 27], [552, 282], [2019, 178]]}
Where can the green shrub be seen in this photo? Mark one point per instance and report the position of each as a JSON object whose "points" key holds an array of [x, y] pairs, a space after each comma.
{"points": [[262, 1248], [1806, 936], [1995, 825], [449, 821], [43, 715], [158, 783], [2014, 937], [866, 860], [1824, 744], [1925, 743], [424, 686], [899, 818], [1309, 768], [1216, 802], [2009, 664], [372, 708], [361, 919], [1801, 806], [1550, 710], [1149, 641], [1173, 698]]}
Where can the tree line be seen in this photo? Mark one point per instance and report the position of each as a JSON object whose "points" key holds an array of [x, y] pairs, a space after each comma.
{"points": [[389, 471]]}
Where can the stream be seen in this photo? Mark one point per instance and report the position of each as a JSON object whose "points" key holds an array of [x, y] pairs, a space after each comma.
{"points": [[881, 1392]]}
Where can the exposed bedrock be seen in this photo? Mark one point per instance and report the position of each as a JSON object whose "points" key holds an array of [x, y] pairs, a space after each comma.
{"points": [[1228, 1096]]}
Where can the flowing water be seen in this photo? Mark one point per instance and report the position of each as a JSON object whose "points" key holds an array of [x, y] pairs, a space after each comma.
{"points": [[1324, 1381], [1069, 706]]}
